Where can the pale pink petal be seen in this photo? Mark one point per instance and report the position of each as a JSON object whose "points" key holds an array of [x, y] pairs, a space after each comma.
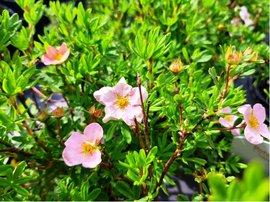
{"points": [[226, 110], [74, 140], [263, 130], [122, 89], [46, 60], [72, 156], [51, 52], [122, 80], [64, 56], [244, 14], [224, 122], [242, 109], [135, 98], [92, 160], [235, 132], [252, 136], [93, 133], [131, 113], [248, 22], [112, 113], [105, 95], [259, 112], [228, 121], [62, 49]]}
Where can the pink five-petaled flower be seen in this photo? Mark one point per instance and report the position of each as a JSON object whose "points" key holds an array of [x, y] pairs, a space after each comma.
{"points": [[254, 118], [228, 120], [83, 149], [55, 56], [121, 102]]}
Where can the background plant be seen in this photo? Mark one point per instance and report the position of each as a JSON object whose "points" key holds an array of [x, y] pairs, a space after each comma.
{"points": [[137, 40]]}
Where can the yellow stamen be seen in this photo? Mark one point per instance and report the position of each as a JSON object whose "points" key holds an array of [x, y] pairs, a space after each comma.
{"points": [[87, 148], [122, 102], [253, 121], [58, 57], [228, 118]]}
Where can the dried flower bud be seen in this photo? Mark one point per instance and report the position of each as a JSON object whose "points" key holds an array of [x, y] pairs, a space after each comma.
{"points": [[176, 66], [98, 113], [233, 57], [59, 112], [42, 116], [92, 110]]}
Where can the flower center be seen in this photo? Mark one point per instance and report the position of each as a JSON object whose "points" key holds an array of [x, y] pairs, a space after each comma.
{"points": [[87, 148], [253, 121], [228, 118], [58, 56], [122, 102]]}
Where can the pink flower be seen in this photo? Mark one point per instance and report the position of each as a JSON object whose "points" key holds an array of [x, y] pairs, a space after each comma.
{"points": [[228, 120], [55, 56], [83, 149], [245, 16], [121, 102], [254, 118]]}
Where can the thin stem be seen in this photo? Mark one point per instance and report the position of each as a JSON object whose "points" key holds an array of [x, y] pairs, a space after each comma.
{"points": [[227, 83], [147, 140], [178, 150], [58, 125], [201, 188], [138, 131], [28, 129], [38, 92], [231, 128]]}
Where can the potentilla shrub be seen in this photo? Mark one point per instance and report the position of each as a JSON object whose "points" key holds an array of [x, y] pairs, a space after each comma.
{"points": [[117, 97]]}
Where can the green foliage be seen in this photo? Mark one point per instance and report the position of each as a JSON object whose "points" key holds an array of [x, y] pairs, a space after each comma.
{"points": [[128, 38], [253, 187]]}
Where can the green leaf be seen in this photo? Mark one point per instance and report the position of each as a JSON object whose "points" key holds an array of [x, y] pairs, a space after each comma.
{"points": [[94, 194], [127, 134], [20, 190], [19, 169], [124, 189]]}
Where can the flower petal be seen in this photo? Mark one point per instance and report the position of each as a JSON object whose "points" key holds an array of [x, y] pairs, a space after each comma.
{"points": [[105, 96], [93, 133], [252, 136], [112, 113], [92, 160], [226, 110], [135, 98], [72, 156], [122, 89], [235, 132], [259, 112], [223, 122], [244, 108], [74, 140], [263, 130]]}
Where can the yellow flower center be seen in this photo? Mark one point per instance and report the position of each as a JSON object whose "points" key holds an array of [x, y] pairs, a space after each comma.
{"points": [[122, 102], [58, 56], [253, 121], [228, 118], [87, 148]]}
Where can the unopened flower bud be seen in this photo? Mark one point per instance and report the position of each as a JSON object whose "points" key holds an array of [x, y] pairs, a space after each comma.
{"points": [[176, 66], [92, 110], [233, 57], [59, 112]]}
